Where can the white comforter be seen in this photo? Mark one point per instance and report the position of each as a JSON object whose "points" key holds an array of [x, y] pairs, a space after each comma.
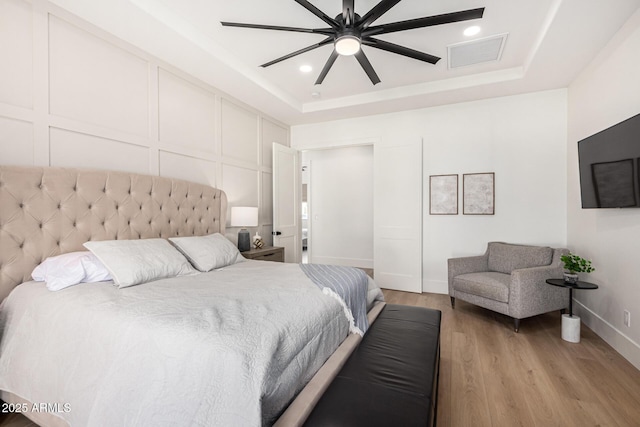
{"points": [[226, 348]]}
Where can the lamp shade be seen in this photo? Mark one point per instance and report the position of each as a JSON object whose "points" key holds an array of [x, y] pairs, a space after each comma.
{"points": [[244, 216]]}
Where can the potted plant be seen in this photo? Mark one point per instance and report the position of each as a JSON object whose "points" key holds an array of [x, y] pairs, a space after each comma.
{"points": [[575, 264]]}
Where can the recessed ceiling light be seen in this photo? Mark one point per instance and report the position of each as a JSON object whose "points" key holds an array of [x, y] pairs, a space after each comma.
{"points": [[471, 31], [306, 68]]}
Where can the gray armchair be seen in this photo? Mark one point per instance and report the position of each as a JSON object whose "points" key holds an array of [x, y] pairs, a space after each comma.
{"points": [[510, 279]]}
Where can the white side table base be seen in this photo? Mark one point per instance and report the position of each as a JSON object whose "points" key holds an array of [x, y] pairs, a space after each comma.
{"points": [[571, 328]]}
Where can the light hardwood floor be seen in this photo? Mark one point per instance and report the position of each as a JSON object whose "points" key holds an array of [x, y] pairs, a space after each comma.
{"points": [[491, 376]]}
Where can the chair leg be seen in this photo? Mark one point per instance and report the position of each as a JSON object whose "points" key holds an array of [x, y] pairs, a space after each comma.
{"points": [[453, 302], [516, 325]]}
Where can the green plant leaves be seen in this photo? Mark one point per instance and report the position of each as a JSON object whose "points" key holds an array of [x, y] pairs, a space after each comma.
{"points": [[576, 264]]}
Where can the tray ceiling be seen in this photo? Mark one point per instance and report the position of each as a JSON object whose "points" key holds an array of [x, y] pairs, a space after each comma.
{"points": [[547, 43]]}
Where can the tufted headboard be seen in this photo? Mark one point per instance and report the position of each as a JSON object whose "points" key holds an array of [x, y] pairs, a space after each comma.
{"points": [[49, 211]]}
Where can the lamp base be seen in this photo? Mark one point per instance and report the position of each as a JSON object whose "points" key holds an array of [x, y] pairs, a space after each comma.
{"points": [[244, 240]]}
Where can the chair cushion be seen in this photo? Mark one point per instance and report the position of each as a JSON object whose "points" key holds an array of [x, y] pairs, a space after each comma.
{"points": [[504, 257], [491, 285]]}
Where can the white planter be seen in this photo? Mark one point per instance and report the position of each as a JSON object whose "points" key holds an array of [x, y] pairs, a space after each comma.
{"points": [[571, 328]]}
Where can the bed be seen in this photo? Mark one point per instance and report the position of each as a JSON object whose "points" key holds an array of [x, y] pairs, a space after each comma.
{"points": [[249, 343]]}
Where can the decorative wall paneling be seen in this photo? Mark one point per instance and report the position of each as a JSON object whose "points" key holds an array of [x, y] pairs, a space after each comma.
{"points": [[77, 96]]}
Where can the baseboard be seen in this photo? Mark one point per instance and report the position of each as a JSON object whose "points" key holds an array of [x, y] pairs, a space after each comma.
{"points": [[435, 286], [623, 344]]}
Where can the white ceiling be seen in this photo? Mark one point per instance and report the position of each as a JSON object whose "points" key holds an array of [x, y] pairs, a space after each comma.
{"points": [[548, 43]]}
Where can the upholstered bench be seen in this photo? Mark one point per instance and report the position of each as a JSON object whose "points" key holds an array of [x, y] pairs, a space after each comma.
{"points": [[391, 378]]}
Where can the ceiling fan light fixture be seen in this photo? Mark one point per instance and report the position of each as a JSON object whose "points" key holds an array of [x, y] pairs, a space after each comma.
{"points": [[348, 31], [347, 45]]}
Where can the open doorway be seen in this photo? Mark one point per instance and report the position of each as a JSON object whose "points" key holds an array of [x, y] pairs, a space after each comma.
{"points": [[337, 206]]}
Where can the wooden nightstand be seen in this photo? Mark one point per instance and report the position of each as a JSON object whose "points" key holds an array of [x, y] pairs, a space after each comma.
{"points": [[267, 253]]}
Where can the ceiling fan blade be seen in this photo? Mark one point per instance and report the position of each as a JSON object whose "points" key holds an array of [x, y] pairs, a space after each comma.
{"points": [[400, 50], [367, 67], [327, 67], [298, 52], [428, 21], [325, 31], [320, 14], [348, 14], [375, 13]]}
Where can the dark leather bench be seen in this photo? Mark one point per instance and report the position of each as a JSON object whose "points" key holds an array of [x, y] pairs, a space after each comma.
{"points": [[391, 378]]}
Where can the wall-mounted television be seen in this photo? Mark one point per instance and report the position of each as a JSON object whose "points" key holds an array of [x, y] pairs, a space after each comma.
{"points": [[609, 164]]}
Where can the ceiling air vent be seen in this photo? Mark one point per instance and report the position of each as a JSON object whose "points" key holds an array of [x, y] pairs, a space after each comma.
{"points": [[476, 51]]}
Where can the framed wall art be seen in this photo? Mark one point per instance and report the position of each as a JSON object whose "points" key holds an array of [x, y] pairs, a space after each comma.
{"points": [[443, 194], [478, 193]]}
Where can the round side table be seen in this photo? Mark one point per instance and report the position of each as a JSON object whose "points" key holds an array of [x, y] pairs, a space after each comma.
{"points": [[571, 323]]}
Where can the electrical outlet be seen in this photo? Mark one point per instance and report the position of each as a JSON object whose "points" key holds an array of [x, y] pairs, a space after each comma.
{"points": [[627, 319]]}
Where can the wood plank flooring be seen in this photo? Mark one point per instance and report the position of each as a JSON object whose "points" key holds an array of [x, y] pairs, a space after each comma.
{"points": [[15, 420], [491, 376]]}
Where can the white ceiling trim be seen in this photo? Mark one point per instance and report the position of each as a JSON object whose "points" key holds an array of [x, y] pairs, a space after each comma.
{"points": [[426, 88], [181, 26], [535, 58], [544, 29]]}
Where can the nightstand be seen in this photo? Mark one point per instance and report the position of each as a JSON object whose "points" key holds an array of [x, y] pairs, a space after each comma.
{"points": [[267, 253]]}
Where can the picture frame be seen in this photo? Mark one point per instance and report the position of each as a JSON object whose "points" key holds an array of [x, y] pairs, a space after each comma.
{"points": [[478, 193], [443, 194]]}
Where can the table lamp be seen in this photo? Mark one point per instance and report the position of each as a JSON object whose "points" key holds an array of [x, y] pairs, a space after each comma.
{"points": [[244, 216]]}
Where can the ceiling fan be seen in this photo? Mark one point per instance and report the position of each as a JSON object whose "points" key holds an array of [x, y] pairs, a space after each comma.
{"points": [[348, 31]]}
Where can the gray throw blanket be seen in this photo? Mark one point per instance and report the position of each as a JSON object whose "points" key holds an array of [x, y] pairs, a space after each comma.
{"points": [[347, 284]]}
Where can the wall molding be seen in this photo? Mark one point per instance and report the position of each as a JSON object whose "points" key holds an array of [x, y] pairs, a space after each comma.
{"points": [[620, 342], [17, 113], [434, 286], [330, 144], [189, 146]]}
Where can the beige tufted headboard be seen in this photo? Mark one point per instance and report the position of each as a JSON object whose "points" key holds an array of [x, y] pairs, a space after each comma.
{"points": [[48, 211]]}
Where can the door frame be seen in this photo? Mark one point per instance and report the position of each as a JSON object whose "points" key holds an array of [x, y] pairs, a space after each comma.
{"points": [[295, 229]]}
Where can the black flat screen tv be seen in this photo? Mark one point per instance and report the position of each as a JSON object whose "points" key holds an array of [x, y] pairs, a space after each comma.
{"points": [[609, 164]]}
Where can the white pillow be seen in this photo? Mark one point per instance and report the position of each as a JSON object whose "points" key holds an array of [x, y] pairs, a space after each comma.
{"points": [[207, 253], [70, 269], [132, 262]]}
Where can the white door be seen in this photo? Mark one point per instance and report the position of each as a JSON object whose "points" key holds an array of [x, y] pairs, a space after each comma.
{"points": [[397, 235], [286, 201]]}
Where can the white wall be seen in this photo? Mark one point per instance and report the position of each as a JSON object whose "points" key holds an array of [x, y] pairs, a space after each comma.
{"points": [[606, 93], [520, 138], [341, 193], [72, 95]]}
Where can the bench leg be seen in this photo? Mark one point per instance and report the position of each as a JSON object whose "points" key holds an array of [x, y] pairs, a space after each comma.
{"points": [[516, 325], [453, 302]]}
